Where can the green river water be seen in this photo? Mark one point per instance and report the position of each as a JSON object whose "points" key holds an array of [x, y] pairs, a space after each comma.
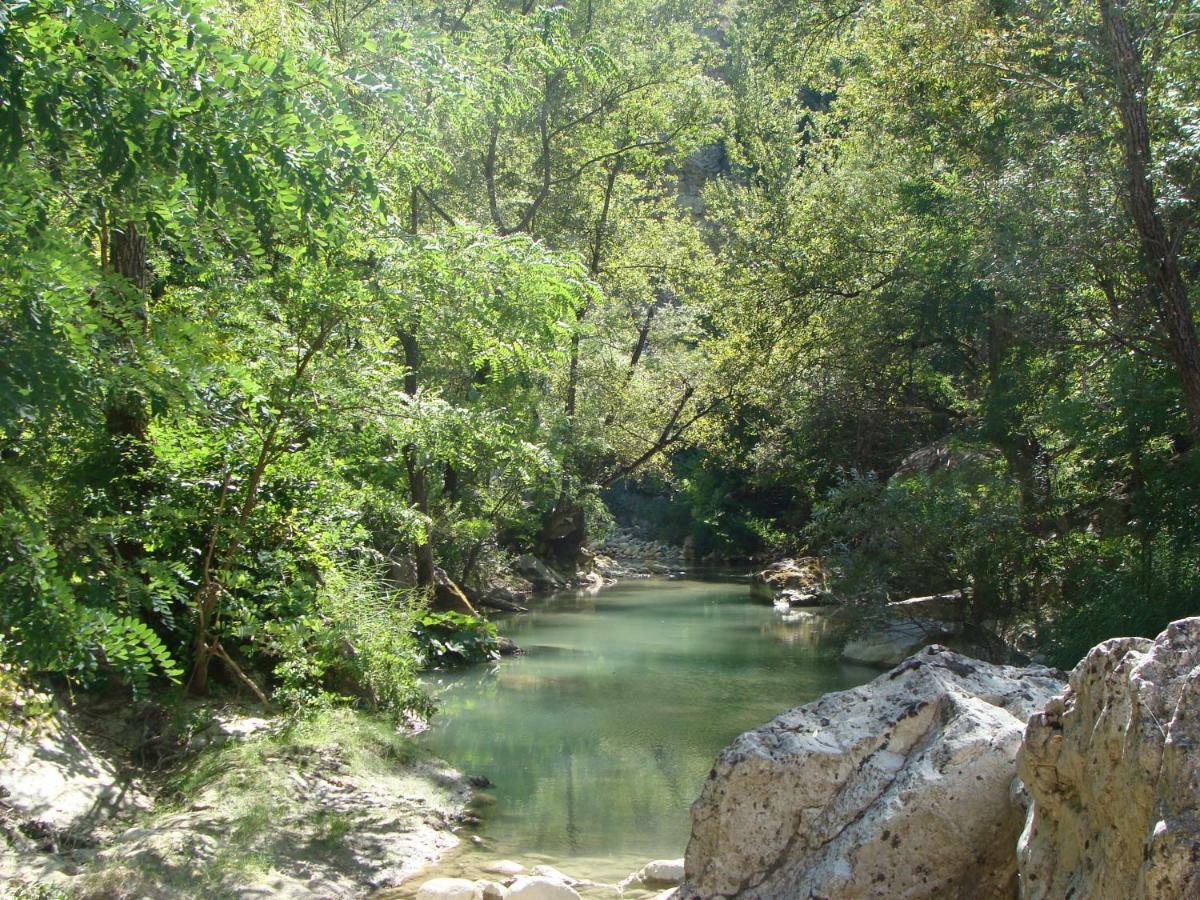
{"points": [[600, 736]]}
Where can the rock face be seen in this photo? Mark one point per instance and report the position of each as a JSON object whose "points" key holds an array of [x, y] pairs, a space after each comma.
{"points": [[625, 544], [891, 641], [793, 582], [540, 575], [905, 627], [1113, 769], [901, 788]]}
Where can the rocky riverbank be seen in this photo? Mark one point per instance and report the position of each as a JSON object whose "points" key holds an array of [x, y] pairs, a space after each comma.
{"points": [[945, 776], [951, 777], [95, 803]]}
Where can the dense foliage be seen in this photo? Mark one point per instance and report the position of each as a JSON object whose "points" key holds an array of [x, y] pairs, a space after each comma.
{"points": [[303, 304], [310, 311], [968, 228]]}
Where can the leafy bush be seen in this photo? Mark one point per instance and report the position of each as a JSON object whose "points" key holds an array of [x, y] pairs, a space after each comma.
{"points": [[925, 533], [356, 644], [48, 623], [454, 637], [1119, 586]]}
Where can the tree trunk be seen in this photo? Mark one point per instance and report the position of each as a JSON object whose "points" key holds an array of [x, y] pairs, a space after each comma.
{"points": [[564, 509], [1159, 252], [207, 643], [1006, 430], [418, 484], [126, 416]]}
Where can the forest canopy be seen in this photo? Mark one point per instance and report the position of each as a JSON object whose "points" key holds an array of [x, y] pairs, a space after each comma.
{"points": [[312, 314]]}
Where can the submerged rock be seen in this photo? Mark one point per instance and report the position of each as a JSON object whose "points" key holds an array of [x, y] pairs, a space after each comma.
{"points": [[1113, 770], [793, 582], [505, 868], [540, 887], [901, 787], [888, 642], [449, 889], [662, 872], [552, 873]]}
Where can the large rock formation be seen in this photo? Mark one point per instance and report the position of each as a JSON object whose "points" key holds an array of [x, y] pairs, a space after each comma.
{"points": [[894, 632], [793, 582], [1113, 768], [904, 787]]}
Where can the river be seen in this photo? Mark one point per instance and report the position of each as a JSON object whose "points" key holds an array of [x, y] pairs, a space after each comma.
{"points": [[597, 739]]}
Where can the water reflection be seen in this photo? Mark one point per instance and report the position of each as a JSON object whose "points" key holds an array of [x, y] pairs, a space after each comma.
{"points": [[601, 735], [809, 626]]}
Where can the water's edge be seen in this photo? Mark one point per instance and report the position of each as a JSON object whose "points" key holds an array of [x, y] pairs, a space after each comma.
{"points": [[597, 740]]}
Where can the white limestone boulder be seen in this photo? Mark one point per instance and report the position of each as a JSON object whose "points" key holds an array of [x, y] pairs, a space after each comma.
{"points": [[662, 872], [793, 582], [449, 889], [539, 887], [903, 787], [505, 868], [1113, 771]]}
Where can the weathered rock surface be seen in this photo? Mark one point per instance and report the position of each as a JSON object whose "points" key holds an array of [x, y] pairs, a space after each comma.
{"points": [[662, 872], [335, 828], [539, 574], [1113, 770], [506, 868], [553, 874], [901, 788], [51, 775], [626, 544], [492, 890], [793, 582], [900, 629]]}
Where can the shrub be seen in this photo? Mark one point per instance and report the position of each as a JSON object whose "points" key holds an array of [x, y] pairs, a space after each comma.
{"points": [[958, 528], [453, 637], [356, 644]]}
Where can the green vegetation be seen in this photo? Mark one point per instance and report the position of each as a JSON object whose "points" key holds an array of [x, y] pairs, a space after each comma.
{"points": [[310, 312], [302, 302], [976, 229]]}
